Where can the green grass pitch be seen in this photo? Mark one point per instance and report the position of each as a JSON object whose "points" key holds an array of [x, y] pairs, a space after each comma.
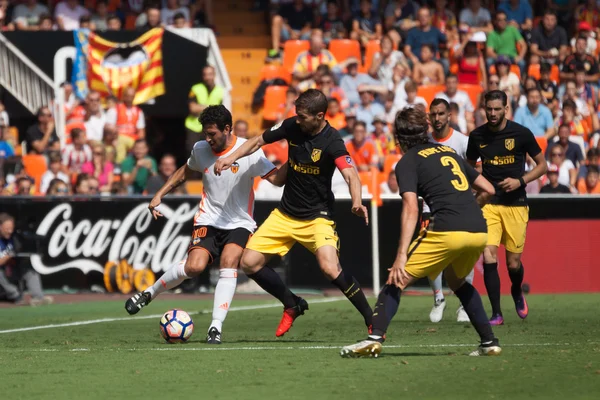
{"points": [[554, 354]]}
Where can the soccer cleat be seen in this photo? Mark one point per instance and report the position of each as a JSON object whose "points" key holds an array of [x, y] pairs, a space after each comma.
{"points": [[213, 336], [289, 315], [521, 306], [497, 319], [437, 312], [364, 348], [461, 315], [137, 302], [487, 349]]}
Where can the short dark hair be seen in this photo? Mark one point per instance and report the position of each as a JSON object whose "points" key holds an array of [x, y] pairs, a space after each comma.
{"points": [[360, 123], [582, 38], [410, 86], [549, 11], [499, 12], [545, 68], [85, 18], [496, 95], [452, 76], [569, 103], [313, 101], [44, 17], [593, 152], [535, 89], [411, 127], [427, 45], [563, 126], [333, 100], [454, 107], [438, 101], [54, 156], [591, 169], [6, 217], [111, 17], [217, 115], [41, 110], [178, 15], [76, 133]]}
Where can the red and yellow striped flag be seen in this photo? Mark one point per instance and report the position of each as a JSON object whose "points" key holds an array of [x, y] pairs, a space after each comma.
{"points": [[113, 67]]}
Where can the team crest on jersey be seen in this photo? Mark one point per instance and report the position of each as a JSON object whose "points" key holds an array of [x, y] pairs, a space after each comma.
{"points": [[316, 155], [349, 160], [509, 144], [277, 126], [235, 167]]}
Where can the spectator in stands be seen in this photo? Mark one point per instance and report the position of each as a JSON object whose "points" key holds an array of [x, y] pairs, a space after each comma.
{"points": [[422, 34], [571, 150], [179, 21], [71, 101], [390, 108], [120, 145], [24, 186], [584, 108], [471, 64], [335, 115], [549, 41], [399, 80], [113, 23], [384, 142], [4, 120], [452, 94], [171, 9], [46, 23], [100, 168], [548, 88], [362, 150], [288, 109], [204, 94], [351, 81], [41, 137], [427, 71], [308, 61], [592, 158], [85, 22], [127, 118], [93, 186], [82, 185], [453, 116], [91, 115], [585, 30], [390, 186], [150, 19], [478, 18], [26, 16], [138, 167], [368, 108], [570, 117], [589, 184], [509, 81], [77, 153], [240, 129], [58, 187], [400, 16], [166, 168], [506, 40], [346, 131], [530, 83], [384, 61], [584, 91], [567, 172], [54, 172], [580, 60], [518, 13], [411, 97], [326, 84], [332, 25], [293, 21], [536, 116], [588, 12], [6, 147], [201, 13], [68, 13], [100, 16], [443, 18], [366, 25], [5, 16], [553, 186]]}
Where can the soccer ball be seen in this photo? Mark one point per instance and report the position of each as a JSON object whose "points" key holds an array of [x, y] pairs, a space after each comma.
{"points": [[176, 326]]}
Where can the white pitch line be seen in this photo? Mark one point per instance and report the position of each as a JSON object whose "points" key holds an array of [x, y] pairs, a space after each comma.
{"points": [[101, 320]]}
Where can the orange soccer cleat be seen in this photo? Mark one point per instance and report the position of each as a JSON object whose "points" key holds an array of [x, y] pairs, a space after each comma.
{"points": [[289, 315]]}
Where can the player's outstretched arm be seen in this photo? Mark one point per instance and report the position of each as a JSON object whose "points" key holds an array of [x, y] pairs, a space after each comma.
{"points": [[353, 180], [280, 176], [485, 190], [249, 147], [175, 180]]}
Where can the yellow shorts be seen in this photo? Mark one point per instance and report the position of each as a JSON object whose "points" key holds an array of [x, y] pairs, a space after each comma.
{"points": [[507, 225], [279, 233], [431, 252]]}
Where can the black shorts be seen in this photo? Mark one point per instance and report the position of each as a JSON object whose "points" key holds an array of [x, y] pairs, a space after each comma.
{"points": [[213, 240]]}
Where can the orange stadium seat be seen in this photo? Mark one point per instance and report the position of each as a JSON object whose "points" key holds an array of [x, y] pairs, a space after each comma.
{"points": [[534, 71], [35, 166], [291, 49], [428, 92], [389, 162], [273, 71], [343, 49], [473, 91], [543, 143], [373, 47], [274, 98]]}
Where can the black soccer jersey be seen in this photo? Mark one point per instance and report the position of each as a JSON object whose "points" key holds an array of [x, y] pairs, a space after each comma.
{"points": [[312, 162], [436, 173], [503, 155]]}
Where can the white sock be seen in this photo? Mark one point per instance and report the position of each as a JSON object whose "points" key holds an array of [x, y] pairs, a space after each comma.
{"points": [[436, 286], [169, 280], [469, 278], [223, 296]]}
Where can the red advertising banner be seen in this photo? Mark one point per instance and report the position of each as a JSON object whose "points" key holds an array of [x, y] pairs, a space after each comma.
{"points": [[561, 256]]}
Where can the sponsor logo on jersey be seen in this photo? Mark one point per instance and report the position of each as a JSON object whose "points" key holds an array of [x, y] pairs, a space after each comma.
{"points": [[509, 144], [481, 146], [235, 167], [316, 155]]}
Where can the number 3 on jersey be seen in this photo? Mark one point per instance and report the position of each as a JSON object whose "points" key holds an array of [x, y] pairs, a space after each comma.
{"points": [[461, 184]]}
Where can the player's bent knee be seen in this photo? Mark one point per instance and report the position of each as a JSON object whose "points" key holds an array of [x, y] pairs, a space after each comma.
{"points": [[196, 262], [230, 262], [252, 261], [331, 270], [453, 281]]}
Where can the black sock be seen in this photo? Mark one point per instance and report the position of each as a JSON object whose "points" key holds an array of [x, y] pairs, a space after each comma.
{"points": [[351, 289], [516, 277], [272, 284], [471, 302], [492, 285], [385, 308]]}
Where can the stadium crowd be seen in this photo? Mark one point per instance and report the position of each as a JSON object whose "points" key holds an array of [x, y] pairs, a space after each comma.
{"points": [[545, 57]]}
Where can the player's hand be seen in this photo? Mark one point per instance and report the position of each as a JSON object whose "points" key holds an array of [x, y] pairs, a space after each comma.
{"points": [[398, 275], [152, 207], [361, 211], [222, 164], [509, 184]]}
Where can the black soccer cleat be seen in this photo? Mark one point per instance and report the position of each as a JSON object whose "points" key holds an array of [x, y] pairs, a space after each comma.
{"points": [[137, 302], [213, 336]]}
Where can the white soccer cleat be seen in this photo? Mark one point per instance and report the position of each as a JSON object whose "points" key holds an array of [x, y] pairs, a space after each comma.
{"points": [[437, 312], [461, 315], [365, 348], [491, 349]]}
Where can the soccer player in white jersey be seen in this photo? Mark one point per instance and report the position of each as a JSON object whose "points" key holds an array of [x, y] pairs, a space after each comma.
{"points": [[223, 223], [439, 115]]}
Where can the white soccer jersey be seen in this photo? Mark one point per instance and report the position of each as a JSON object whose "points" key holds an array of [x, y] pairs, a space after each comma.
{"points": [[228, 200]]}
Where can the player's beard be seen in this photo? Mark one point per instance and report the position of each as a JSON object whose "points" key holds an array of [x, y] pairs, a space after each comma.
{"points": [[498, 122]]}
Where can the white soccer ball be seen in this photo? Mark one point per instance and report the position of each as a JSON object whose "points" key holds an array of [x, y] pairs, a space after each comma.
{"points": [[176, 326]]}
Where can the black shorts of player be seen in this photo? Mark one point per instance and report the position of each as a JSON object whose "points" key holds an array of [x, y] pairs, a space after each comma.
{"points": [[214, 240]]}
